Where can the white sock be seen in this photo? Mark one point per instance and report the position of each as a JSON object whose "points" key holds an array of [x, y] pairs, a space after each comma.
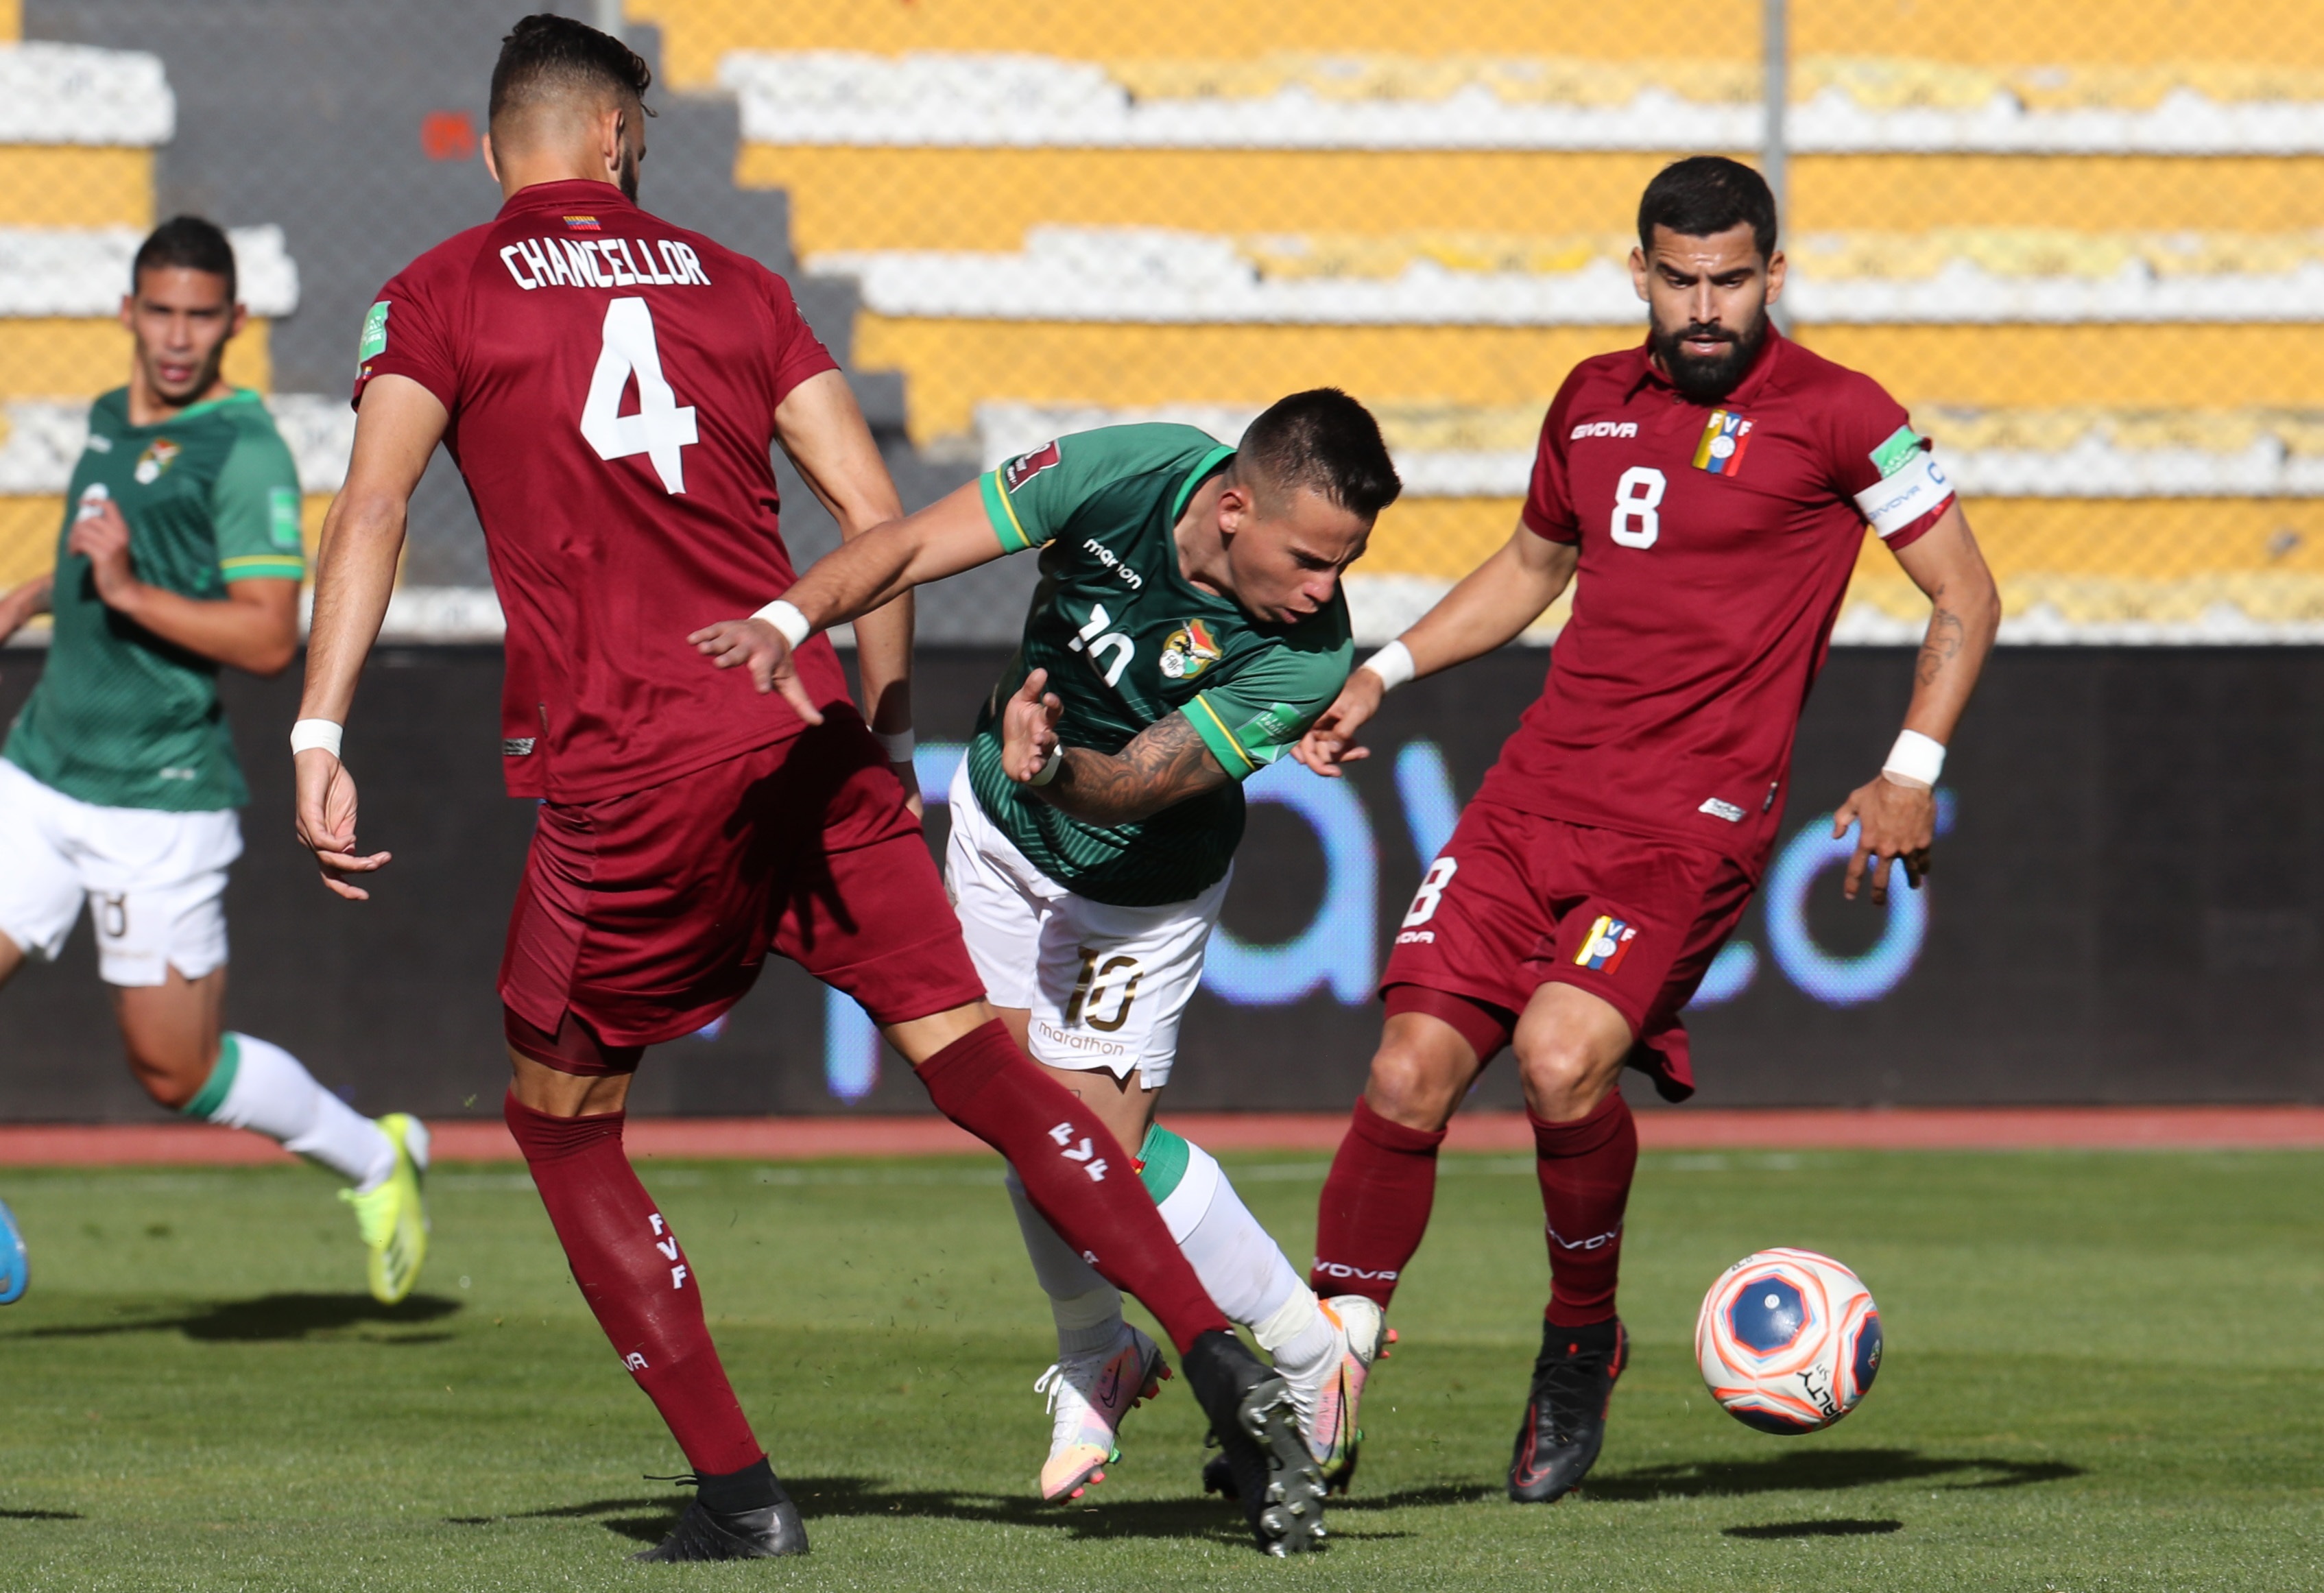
{"points": [[1240, 1265], [1087, 1309], [259, 1086]]}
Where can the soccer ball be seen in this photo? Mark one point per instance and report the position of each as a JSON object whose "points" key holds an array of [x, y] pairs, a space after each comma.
{"points": [[1788, 1340]]}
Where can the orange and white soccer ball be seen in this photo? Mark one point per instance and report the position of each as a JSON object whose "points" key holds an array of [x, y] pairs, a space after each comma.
{"points": [[1788, 1340]]}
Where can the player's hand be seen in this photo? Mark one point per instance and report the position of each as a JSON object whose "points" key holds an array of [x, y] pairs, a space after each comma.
{"points": [[1895, 824], [1028, 728], [327, 822], [736, 643], [101, 536], [1330, 740]]}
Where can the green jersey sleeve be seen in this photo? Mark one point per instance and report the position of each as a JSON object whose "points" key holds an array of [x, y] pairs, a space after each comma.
{"points": [[1031, 500], [254, 509], [1260, 712]]}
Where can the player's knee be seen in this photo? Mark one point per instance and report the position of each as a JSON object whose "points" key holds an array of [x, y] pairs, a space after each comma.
{"points": [[172, 1076], [1413, 1085], [1565, 1073]]}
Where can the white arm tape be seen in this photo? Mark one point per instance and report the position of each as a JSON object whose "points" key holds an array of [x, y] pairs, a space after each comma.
{"points": [[310, 733], [1049, 770], [1393, 664], [899, 745], [1893, 503], [1915, 759], [786, 619]]}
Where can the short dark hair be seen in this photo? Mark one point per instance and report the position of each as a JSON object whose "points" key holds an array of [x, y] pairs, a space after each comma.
{"points": [[1704, 195], [188, 242], [1326, 442], [543, 54]]}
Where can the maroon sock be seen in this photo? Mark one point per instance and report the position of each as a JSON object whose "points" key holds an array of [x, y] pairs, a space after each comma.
{"points": [[1076, 1175], [1585, 1168], [1374, 1207], [636, 1280]]}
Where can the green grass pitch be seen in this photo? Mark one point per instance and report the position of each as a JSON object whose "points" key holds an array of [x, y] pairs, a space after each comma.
{"points": [[2104, 1372]]}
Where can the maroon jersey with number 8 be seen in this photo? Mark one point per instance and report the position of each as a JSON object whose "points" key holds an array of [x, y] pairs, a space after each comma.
{"points": [[1716, 544], [612, 381]]}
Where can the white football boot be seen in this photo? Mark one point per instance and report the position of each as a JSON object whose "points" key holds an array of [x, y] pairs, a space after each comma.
{"points": [[1327, 1397], [1089, 1395]]}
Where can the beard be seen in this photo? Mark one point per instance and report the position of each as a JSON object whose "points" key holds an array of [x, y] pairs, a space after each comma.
{"points": [[1705, 380]]}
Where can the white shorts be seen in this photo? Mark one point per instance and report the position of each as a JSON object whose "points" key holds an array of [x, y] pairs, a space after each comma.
{"points": [[155, 882], [1106, 985]]}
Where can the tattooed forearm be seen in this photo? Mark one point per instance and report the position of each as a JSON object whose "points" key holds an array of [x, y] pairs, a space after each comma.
{"points": [[1166, 764], [1942, 644]]}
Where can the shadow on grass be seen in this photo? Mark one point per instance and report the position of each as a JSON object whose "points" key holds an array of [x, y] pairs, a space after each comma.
{"points": [[648, 1519], [1819, 1470], [1815, 1529], [41, 1515], [272, 1318]]}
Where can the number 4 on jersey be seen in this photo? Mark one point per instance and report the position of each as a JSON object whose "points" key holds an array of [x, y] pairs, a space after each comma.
{"points": [[660, 429]]}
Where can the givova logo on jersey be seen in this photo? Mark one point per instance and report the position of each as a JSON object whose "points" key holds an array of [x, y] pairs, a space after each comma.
{"points": [[1190, 649]]}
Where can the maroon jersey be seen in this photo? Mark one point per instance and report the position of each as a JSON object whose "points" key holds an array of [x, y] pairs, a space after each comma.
{"points": [[1716, 544], [612, 381]]}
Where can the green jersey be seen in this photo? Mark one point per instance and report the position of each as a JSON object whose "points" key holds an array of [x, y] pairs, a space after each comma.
{"points": [[122, 718], [1128, 641]]}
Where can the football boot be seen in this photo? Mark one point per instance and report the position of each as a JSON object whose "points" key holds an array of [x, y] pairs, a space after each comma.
{"points": [[16, 1267], [1089, 1395], [1274, 1475], [1566, 1413], [393, 1217], [704, 1533]]}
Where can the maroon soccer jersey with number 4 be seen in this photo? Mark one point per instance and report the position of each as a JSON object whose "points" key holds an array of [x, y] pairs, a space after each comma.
{"points": [[612, 381], [1716, 544]]}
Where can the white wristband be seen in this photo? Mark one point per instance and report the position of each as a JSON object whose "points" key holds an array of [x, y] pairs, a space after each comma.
{"points": [[310, 733], [1049, 770], [1393, 664], [1915, 759], [899, 745], [786, 619]]}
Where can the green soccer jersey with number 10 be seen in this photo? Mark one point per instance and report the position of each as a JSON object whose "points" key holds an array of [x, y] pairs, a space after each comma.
{"points": [[122, 718], [1128, 641]]}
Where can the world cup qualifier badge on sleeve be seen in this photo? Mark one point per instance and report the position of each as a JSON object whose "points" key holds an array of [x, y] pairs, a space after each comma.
{"points": [[1726, 437]]}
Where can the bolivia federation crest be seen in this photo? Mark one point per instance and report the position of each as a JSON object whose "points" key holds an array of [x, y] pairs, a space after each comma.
{"points": [[1724, 440], [157, 456], [1191, 650]]}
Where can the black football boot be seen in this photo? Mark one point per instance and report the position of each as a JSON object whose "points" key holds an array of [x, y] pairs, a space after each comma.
{"points": [[1276, 1481], [750, 1530], [1565, 1413]]}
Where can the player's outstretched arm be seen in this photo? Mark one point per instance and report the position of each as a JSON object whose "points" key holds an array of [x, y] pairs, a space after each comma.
{"points": [[949, 536], [397, 427], [1163, 765], [1493, 603], [822, 429], [1896, 811]]}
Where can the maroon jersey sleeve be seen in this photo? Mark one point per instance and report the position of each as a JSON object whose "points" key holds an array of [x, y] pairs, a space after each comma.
{"points": [[799, 354], [1549, 503], [1878, 460], [407, 331]]}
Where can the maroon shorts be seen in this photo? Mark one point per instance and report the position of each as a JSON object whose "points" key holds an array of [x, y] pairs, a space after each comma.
{"points": [[649, 915], [1515, 901]]}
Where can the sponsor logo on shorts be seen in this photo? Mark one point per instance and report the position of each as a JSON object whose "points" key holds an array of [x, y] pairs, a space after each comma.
{"points": [[1719, 809], [1605, 944], [1026, 466], [1725, 437], [1084, 1045], [1605, 428], [1412, 938], [1190, 650]]}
